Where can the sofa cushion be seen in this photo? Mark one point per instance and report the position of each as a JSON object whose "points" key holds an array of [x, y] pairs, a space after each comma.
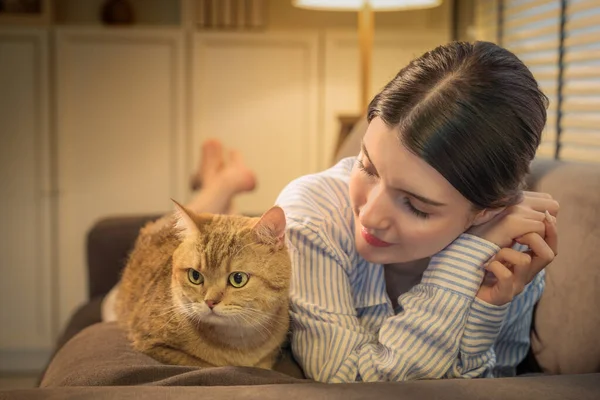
{"points": [[109, 242], [566, 321], [580, 387]]}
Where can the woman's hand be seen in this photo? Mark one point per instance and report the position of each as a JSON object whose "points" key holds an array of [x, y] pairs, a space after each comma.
{"points": [[510, 270], [518, 220]]}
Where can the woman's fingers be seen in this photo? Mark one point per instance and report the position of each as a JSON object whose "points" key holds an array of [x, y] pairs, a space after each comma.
{"points": [[504, 282], [519, 226], [541, 252], [527, 193], [509, 257], [529, 213], [510, 270], [540, 202], [520, 265], [552, 235]]}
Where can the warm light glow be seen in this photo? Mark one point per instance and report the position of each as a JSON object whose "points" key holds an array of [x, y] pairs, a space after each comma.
{"points": [[376, 5]]}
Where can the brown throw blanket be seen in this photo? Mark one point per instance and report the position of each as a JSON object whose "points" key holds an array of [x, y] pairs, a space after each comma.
{"points": [[99, 362], [101, 356]]}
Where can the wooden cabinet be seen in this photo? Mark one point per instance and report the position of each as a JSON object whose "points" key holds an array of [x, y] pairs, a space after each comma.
{"points": [[120, 136], [27, 282]]}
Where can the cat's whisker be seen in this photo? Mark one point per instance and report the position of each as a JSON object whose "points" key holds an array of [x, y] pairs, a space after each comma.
{"points": [[173, 315], [168, 310], [271, 318], [176, 311], [245, 322], [168, 322], [236, 319], [172, 318], [180, 310], [256, 310], [264, 331], [256, 325], [269, 325], [192, 313]]}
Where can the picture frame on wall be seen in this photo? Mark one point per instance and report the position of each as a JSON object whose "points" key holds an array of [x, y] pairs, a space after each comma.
{"points": [[25, 12]]}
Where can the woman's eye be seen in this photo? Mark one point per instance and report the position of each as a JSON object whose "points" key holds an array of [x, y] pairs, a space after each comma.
{"points": [[365, 169], [195, 277], [238, 279], [414, 210]]}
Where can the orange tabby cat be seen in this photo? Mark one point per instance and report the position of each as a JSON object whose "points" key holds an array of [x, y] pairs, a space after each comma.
{"points": [[209, 290]]}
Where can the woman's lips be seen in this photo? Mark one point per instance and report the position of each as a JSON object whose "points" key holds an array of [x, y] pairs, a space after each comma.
{"points": [[372, 240]]}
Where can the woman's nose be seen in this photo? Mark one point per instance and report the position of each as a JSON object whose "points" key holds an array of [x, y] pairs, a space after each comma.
{"points": [[375, 212]]}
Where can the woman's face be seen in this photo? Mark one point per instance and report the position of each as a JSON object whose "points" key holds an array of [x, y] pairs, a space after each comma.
{"points": [[404, 209]]}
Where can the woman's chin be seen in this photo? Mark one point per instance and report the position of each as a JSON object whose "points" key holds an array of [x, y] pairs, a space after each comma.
{"points": [[382, 255], [373, 254]]}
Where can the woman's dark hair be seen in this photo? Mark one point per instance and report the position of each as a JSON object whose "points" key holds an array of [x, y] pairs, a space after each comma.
{"points": [[474, 112]]}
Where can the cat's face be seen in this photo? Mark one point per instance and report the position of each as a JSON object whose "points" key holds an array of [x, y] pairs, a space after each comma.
{"points": [[231, 270]]}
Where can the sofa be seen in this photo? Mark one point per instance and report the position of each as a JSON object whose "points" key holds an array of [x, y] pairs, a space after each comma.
{"points": [[94, 359]]}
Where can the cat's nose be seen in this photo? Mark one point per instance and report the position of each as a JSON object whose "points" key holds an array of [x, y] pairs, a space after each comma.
{"points": [[211, 303]]}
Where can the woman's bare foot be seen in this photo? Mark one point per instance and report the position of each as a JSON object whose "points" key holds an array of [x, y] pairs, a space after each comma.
{"points": [[237, 176], [211, 162], [221, 181]]}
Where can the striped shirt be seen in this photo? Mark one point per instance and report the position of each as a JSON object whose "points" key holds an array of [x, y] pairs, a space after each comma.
{"points": [[344, 328]]}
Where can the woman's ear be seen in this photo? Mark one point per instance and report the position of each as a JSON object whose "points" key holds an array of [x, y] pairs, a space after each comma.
{"points": [[486, 215]]}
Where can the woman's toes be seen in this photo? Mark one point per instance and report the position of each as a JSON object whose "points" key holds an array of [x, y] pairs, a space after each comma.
{"points": [[211, 163], [238, 175]]}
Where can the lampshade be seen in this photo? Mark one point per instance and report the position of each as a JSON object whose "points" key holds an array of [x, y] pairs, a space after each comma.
{"points": [[366, 26], [355, 5]]}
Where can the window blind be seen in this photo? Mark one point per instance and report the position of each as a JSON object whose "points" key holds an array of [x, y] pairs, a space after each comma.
{"points": [[486, 20], [559, 40], [531, 30], [580, 119]]}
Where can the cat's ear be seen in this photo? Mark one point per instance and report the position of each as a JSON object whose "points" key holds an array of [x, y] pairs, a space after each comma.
{"points": [[185, 224], [270, 229]]}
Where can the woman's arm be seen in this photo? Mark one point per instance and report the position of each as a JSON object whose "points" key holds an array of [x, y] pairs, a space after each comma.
{"points": [[333, 344], [497, 338], [497, 333]]}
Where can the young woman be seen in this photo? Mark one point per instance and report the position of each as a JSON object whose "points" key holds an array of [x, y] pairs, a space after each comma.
{"points": [[390, 249]]}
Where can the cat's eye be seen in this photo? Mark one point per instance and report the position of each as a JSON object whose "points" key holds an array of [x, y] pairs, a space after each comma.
{"points": [[195, 277], [238, 279]]}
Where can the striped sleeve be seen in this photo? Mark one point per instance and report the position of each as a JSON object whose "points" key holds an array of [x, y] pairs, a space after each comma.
{"points": [[496, 338], [513, 343], [325, 327], [476, 354], [421, 342]]}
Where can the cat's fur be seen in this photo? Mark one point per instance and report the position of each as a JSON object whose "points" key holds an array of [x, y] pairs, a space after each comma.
{"points": [[166, 316]]}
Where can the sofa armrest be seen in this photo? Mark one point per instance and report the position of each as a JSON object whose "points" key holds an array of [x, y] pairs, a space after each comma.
{"points": [[566, 320], [109, 243]]}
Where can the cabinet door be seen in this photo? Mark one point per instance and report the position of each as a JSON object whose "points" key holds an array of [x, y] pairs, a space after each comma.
{"points": [[120, 135], [25, 252], [259, 93]]}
